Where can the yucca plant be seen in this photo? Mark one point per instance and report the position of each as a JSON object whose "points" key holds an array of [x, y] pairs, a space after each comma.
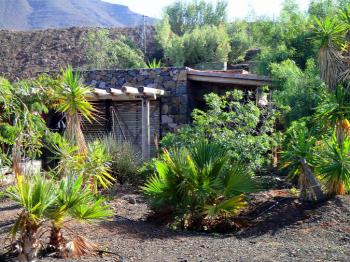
{"points": [[71, 99], [329, 33], [296, 159], [333, 164], [36, 195], [74, 201], [197, 183], [334, 111]]}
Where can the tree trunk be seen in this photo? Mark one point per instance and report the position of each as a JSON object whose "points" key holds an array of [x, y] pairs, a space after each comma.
{"points": [[311, 189], [57, 242], [29, 245], [339, 130]]}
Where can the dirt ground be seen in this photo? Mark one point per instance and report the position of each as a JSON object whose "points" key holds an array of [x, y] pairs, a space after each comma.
{"points": [[280, 229]]}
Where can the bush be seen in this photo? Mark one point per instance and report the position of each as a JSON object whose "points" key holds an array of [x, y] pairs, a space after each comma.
{"points": [[103, 52], [201, 45], [299, 91], [242, 128], [125, 160], [197, 183], [184, 17]]}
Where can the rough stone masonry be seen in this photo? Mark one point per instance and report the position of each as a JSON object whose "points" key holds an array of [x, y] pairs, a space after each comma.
{"points": [[174, 105]]}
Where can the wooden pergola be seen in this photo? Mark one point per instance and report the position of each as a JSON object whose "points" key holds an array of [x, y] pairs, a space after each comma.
{"points": [[128, 93]]}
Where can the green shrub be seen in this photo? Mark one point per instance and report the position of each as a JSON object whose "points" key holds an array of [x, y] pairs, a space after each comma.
{"points": [[201, 45], [103, 52], [300, 91], [197, 183], [185, 16], [125, 160], [245, 130]]}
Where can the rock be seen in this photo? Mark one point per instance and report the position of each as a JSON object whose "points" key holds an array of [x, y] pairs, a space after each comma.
{"points": [[166, 119]]}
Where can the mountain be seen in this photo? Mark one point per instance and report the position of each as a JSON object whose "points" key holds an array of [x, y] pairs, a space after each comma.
{"points": [[42, 14]]}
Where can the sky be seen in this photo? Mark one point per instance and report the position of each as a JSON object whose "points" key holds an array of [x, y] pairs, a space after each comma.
{"points": [[236, 8]]}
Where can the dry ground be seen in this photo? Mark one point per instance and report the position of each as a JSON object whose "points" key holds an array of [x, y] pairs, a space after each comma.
{"points": [[281, 229]]}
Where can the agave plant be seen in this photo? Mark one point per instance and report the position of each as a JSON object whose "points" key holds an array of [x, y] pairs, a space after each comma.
{"points": [[154, 64], [335, 111], [197, 183], [71, 99], [36, 195], [333, 164], [330, 36], [296, 159]]}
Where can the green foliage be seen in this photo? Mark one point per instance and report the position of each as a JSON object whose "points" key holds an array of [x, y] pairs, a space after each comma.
{"points": [[240, 41], [329, 34], [21, 124], [198, 182], [242, 128], [333, 164], [75, 200], [334, 107], [299, 144], [96, 165], [202, 44], [186, 16], [154, 64], [125, 160], [45, 200], [299, 91], [270, 55], [70, 96], [104, 53]]}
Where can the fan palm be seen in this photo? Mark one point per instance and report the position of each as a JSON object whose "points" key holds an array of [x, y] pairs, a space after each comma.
{"points": [[74, 201], [198, 182], [71, 99], [36, 195], [333, 163], [296, 160], [330, 36]]}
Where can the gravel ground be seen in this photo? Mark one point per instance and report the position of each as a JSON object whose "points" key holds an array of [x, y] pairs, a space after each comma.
{"points": [[281, 229]]}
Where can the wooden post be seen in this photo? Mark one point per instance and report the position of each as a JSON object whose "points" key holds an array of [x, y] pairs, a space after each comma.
{"points": [[146, 136]]}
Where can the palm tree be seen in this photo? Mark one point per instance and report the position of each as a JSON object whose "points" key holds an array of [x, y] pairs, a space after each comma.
{"points": [[296, 159], [334, 111], [197, 183], [36, 195], [71, 99], [74, 201], [330, 36], [333, 164]]}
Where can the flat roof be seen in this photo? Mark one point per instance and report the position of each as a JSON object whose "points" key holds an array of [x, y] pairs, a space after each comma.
{"points": [[237, 77]]}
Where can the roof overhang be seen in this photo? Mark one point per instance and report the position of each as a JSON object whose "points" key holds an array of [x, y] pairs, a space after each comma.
{"points": [[226, 77]]}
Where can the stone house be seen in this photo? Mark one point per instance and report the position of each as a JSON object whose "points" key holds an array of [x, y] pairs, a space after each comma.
{"points": [[184, 90]]}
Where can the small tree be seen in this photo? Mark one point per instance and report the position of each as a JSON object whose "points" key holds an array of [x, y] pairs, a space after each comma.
{"points": [[297, 160], [70, 95]]}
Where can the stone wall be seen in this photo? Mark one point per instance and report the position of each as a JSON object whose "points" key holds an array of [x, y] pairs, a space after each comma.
{"points": [[24, 54], [174, 105]]}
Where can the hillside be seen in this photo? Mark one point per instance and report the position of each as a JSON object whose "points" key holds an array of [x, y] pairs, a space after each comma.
{"points": [[42, 14], [23, 54]]}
